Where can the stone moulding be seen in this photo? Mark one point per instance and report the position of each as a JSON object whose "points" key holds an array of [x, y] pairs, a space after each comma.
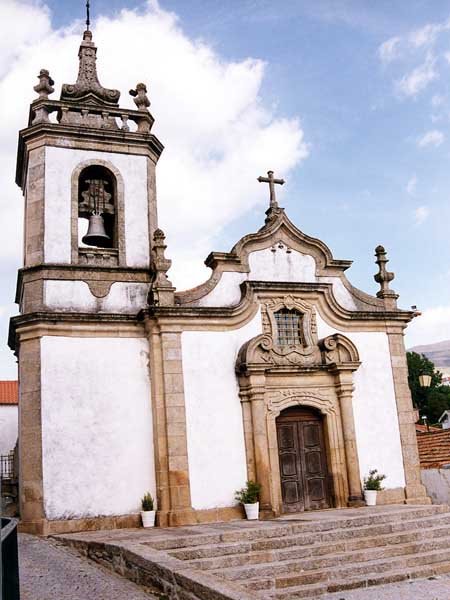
{"points": [[279, 230]]}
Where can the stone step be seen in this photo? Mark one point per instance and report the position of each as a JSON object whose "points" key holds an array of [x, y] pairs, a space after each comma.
{"points": [[356, 571], [322, 549], [331, 559], [285, 528], [280, 547], [316, 591]]}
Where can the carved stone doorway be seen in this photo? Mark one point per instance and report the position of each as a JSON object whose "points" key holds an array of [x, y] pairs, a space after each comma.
{"points": [[303, 461]]}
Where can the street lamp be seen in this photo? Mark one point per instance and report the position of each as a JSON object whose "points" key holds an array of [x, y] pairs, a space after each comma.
{"points": [[425, 382]]}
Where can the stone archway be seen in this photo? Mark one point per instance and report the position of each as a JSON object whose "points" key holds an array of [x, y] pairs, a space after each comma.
{"points": [[319, 376]]}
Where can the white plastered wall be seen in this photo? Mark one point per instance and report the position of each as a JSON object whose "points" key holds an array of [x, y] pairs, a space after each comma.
{"points": [[97, 434], [374, 405], [8, 427], [59, 166], [274, 264], [215, 436], [123, 297]]}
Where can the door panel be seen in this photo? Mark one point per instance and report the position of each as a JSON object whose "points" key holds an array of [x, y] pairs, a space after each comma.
{"points": [[303, 465]]}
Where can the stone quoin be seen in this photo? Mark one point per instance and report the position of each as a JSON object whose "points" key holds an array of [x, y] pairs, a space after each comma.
{"points": [[276, 369]]}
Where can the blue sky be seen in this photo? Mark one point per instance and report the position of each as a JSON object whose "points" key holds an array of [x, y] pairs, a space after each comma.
{"points": [[359, 93]]}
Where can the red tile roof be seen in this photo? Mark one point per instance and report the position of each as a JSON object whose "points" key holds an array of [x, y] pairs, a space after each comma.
{"points": [[425, 429], [434, 449], [9, 392]]}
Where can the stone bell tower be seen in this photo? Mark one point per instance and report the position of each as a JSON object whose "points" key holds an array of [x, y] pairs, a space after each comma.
{"points": [[87, 171]]}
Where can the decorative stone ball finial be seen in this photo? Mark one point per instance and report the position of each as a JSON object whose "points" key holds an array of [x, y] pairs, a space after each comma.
{"points": [[44, 87], [140, 97], [383, 277]]}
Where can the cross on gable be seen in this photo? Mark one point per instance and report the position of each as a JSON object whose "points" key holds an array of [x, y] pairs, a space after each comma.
{"points": [[271, 181]]}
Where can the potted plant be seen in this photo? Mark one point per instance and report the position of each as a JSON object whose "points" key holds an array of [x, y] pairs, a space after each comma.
{"points": [[249, 497], [148, 512], [372, 485]]}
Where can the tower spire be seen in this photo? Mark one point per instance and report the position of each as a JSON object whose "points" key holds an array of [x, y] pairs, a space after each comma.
{"points": [[88, 19]]}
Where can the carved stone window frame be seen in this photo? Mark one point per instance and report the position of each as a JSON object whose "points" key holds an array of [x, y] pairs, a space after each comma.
{"points": [[108, 257], [308, 324]]}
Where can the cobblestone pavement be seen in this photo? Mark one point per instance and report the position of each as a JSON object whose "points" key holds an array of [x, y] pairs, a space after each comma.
{"points": [[437, 588], [50, 571]]}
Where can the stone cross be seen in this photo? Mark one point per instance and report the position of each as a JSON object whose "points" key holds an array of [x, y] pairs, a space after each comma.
{"points": [[271, 181]]}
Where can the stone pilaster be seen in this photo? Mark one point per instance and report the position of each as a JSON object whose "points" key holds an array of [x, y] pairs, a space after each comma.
{"points": [[31, 489], [344, 391], [261, 450], [169, 414], [415, 492]]}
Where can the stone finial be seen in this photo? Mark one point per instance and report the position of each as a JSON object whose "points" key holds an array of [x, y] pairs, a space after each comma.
{"points": [[44, 87], [162, 292], [140, 96], [87, 86], [384, 277]]}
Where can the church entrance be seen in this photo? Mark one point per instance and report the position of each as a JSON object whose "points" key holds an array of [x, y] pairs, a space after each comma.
{"points": [[303, 461]]}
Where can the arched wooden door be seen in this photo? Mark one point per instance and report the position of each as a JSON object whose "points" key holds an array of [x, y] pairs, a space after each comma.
{"points": [[303, 461]]}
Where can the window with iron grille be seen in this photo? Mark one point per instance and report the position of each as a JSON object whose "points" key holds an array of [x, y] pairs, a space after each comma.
{"points": [[289, 327]]}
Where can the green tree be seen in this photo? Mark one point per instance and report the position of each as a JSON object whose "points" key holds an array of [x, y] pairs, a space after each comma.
{"points": [[431, 401]]}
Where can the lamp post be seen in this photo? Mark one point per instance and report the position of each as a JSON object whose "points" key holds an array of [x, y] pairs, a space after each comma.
{"points": [[425, 382]]}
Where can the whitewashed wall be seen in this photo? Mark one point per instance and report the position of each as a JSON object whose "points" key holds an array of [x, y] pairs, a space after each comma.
{"points": [[69, 296], [374, 405], [8, 427], [60, 164], [215, 436], [96, 426], [274, 264]]}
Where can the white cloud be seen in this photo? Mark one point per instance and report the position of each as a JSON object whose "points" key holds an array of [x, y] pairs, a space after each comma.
{"points": [[431, 138], [421, 214], [411, 185], [418, 79], [427, 34], [432, 326], [390, 49], [218, 133], [437, 100]]}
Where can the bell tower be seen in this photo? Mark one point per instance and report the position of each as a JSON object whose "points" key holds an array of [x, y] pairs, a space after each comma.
{"points": [[86, 167]]}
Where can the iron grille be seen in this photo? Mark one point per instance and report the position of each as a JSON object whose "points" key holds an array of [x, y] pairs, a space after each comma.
{"points": [[7, 465], [288, 327]]}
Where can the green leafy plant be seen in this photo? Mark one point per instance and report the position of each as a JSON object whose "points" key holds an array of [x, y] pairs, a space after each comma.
{"points": [[249, 494], [373, 482], [147, 502]]}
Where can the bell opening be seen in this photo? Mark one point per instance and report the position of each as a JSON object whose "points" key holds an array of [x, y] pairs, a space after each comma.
{"points": [[96, 204]]}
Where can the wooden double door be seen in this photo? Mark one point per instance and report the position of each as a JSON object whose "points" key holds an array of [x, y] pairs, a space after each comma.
{"points": [[303, 461]]}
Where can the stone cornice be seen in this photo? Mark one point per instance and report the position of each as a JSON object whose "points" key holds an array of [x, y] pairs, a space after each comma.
{"points": [[70, 136], [74, 324], [79, 273], [254, 292]]}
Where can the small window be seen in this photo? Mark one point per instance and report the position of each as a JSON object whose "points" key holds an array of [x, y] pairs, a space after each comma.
{"points": [[289, 327], [97, 208]]}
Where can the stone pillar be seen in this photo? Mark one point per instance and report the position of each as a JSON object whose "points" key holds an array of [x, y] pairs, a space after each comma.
{"points": [[172, 466], [261, 443], [248, 435], [415, 492], [31, 490], [345, 395]]}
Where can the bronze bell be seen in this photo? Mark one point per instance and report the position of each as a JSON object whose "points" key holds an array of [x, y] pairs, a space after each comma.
{"points": [[96, 234]]}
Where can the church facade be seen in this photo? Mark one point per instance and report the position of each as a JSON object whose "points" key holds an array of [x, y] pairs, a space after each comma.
{"points": [[276, 369]]}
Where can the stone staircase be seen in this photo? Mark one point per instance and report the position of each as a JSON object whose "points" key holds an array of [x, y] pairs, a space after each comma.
{"points": [[312, 554]]}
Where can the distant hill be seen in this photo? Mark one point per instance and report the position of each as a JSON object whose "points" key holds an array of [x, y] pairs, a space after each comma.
{"points": [[438, 353]]}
